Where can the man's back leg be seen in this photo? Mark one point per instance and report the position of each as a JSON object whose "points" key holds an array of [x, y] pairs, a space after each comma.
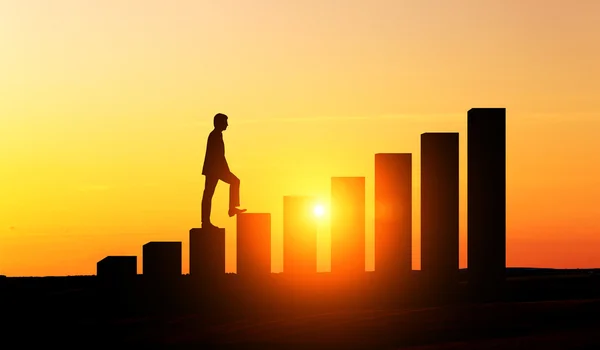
{"points": [[209, 190]]}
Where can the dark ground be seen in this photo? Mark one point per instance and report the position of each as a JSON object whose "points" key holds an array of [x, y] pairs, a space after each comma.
{"points": [[540, 309]]}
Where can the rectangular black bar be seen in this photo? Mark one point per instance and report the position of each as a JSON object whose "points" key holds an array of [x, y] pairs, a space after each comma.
{"points": [[486, 173], [117, 269], [161, 260], [439, 210], [207, 254]]}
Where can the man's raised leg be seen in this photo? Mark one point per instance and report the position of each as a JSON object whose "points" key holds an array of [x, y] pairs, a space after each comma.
{"points": [[234, 194]]}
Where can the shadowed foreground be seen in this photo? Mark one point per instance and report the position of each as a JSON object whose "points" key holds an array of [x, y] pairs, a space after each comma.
{"points": [[542, 312], [527, 325]]}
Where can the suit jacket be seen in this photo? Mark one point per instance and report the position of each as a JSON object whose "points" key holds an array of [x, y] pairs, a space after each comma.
{"points": [[214, 161]]}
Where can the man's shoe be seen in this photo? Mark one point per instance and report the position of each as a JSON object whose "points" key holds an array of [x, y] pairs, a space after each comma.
{"points": [[235, 211], [208, 225]]}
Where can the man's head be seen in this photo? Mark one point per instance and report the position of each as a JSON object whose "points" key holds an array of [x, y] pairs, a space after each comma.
{"points": [[220, 121]]}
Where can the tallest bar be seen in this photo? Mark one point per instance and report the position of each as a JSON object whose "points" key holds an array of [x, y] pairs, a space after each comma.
{"points": [[486, 195]]}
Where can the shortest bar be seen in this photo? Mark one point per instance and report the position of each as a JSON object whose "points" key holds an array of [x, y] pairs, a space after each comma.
{"points": [[116, 270], [162, 260]]}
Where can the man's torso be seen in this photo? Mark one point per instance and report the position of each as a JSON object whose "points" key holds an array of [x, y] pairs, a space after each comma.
{"points": [[214, 161]]}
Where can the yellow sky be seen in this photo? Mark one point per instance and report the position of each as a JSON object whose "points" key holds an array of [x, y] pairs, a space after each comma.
{"points": [[105, 107]]}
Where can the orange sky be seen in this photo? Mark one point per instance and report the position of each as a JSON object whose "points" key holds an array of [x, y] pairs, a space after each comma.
{"points": [[105, 107]]}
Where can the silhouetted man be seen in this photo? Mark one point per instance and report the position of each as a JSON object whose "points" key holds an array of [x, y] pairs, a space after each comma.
{"points": [[215, 169]]}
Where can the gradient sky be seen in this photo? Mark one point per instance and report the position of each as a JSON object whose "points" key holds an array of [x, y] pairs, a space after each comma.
{"points": [[105, 107]]}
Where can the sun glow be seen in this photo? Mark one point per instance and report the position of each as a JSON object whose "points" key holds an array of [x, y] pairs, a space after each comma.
{"points": [[319, 210]]}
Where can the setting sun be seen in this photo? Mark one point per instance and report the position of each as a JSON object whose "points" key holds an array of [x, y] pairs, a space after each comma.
{"points": [[319, 210]]}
